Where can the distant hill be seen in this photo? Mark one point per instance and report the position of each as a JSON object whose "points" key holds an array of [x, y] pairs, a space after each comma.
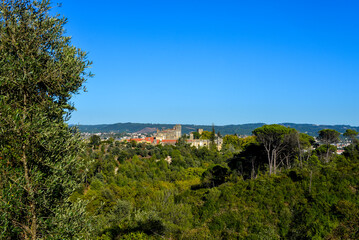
{"points": [[240, 129]]}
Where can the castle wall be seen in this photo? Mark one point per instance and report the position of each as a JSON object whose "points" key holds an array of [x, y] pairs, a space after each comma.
{"points": [[170, 134]]}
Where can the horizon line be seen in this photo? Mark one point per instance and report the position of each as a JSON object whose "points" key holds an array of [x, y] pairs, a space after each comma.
{"points": [[219, 125]]}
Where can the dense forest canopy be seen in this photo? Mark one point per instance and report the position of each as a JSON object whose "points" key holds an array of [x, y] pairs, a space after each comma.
{"points": [[180, 192]]}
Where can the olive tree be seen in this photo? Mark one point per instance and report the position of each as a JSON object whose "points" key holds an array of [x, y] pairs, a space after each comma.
{"points": [[39, 72]]}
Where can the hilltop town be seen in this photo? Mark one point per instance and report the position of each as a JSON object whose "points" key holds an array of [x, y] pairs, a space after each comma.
{"points": [[170, 136], [199, 138]]}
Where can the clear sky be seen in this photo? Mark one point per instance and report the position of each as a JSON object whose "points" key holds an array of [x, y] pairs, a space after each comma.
{"points": [[221, 62]]}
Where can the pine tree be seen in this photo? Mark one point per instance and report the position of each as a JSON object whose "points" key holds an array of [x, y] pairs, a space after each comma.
{"points": [[39, 72]]}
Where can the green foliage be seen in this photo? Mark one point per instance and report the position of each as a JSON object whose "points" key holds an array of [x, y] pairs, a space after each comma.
{"points": [[250, 162], [329, 136], [39, 72], [352, 151], [305, 140], [351, 133], [52, 186], [231, 142], [197, 197], [136, 235], [207, 135], [196, 135], [95, 141], [214, 176], [325, 152], [279, 143]]}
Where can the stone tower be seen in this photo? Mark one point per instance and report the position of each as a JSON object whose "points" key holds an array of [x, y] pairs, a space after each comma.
{"points": [[200, 130], [178, 129]]}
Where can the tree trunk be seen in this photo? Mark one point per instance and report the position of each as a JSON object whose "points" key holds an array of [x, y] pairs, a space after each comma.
{"points": [[300, 154], [327, 158], [253, 172], [269, 161], [310, 183], [274, 161], [29, 189], [32, 231]]}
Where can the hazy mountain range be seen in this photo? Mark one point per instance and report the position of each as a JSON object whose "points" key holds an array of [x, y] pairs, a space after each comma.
{"points": [[240, 129]]}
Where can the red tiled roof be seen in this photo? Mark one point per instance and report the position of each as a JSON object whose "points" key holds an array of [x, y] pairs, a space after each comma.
{"points": [[147, 139], [169, 141]]}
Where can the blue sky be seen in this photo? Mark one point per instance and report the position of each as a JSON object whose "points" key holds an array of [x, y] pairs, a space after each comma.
{"points": [[221, 62]]}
